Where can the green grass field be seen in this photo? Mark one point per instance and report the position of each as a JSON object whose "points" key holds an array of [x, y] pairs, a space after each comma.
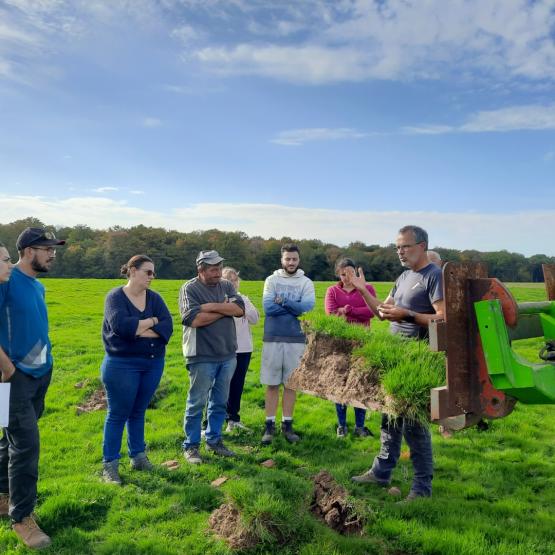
{"points": [[494, 491]]}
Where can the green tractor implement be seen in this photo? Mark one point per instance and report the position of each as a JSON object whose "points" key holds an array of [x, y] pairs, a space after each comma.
{"points": [[485, 376]]}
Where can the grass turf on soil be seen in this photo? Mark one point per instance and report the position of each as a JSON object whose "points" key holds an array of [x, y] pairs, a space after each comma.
{"points": [[494, 491], [405, 369]]}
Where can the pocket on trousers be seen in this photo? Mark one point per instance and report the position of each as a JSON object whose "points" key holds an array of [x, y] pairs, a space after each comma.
{"points": [[10, 379]]}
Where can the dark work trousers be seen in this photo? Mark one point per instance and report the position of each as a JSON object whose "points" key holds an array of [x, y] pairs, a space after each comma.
{"points": [[420, 443], [236, 386], [20, 444]]}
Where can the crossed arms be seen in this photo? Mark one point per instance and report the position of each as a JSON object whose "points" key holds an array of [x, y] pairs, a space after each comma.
{"points": [[210, 312]]}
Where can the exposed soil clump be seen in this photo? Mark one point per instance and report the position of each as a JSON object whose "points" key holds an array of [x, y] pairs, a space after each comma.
{"points": [[330, 504], [226, 524], [328, 369], [96, 401]]}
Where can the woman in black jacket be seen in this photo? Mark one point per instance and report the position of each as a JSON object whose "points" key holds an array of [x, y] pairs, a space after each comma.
{"points": [[137, 326]]}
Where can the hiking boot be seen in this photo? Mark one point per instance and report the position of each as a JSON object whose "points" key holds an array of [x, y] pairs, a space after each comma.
{"points": [[412, 496], [110, 472], [236, 425], [269, 432], [287, 431], [219, 448], [192, 455], [369, 478], [341, 431], [141, 462], [362, 431], [30, 533], [4, 504]]}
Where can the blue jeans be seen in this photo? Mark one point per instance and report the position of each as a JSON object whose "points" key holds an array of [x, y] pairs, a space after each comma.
{"points": [[420, 443], [360, 415], [208, 381], [130, 383]]}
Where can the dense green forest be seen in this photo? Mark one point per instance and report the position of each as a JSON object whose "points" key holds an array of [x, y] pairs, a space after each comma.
{"points": [[93, 253]]}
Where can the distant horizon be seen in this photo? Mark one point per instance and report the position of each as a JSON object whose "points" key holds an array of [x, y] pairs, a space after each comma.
{"points": [[272, 237]]}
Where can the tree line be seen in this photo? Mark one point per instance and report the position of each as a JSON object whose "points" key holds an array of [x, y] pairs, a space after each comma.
{"points": [[99, 253]]}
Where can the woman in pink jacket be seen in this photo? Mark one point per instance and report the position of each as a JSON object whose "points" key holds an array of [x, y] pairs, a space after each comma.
{"points": [[345, 301]]}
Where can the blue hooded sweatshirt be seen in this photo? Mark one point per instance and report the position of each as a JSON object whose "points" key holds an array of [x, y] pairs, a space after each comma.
{"points": [[286, 296]]}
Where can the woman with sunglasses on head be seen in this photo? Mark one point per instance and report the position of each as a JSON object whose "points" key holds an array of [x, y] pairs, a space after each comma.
{"points": [[345, 301], [137, 326]]}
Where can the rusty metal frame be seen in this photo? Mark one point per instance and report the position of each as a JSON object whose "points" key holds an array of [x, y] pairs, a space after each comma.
{"points": [[469, 394]]}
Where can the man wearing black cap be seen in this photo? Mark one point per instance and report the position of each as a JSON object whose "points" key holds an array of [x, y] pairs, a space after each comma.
{"points": [[207, 305], [26, 363]]}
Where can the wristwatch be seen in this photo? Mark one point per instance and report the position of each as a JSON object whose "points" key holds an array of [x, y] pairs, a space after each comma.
{"points": [[411, 318]]}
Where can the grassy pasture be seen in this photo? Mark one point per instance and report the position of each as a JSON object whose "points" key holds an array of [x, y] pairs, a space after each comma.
{"points": [[494, 491]]}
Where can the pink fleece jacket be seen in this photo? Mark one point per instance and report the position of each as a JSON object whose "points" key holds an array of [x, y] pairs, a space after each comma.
{"points": [[357, 310]]}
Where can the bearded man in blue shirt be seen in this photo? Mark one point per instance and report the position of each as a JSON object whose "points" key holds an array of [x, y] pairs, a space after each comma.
{"points": [[26, 363]]}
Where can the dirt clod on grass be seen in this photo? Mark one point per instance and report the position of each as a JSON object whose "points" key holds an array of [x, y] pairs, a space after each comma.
{"points": [[330, 504], [269, 463], [328, 369], [170, 465], [226, 524], [96, 401]]}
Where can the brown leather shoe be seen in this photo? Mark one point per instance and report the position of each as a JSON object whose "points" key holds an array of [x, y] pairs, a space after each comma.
{"points": [[30, 533], [4, 504]]}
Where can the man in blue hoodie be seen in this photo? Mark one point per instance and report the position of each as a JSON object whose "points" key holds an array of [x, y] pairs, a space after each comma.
{"points": [[288, 293]]}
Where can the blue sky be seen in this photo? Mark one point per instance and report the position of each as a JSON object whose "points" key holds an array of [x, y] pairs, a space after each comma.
{"points": [[338, 120]]}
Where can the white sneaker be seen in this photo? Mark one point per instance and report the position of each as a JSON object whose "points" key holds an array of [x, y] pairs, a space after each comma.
{"points": [[233, 425]]}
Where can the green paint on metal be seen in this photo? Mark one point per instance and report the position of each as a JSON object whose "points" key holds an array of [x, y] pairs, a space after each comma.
{"points": [[528, 382]]}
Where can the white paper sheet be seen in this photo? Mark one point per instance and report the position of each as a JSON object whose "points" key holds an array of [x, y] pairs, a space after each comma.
{"points": [[4, 404]]}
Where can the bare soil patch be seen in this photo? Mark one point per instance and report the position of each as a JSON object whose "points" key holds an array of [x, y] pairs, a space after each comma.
{"points": [[328, 369], [226, 524], [95, 401], [330, 504]]}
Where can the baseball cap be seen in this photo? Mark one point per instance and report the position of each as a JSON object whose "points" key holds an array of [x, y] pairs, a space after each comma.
{"points": [[37, 237], [209, 257]]}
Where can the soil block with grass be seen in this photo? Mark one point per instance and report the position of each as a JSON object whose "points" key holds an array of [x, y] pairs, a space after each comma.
{"points": [[374, 369]]}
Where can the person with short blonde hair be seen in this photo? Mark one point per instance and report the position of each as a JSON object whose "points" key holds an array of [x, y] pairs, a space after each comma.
{"points": [[243, 354], [434, 258]]}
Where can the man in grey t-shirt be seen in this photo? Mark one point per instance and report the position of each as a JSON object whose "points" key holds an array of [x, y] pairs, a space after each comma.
{"points": [[416, 299], [207, 305]]}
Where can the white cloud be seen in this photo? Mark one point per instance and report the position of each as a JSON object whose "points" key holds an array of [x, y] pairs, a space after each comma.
{"points": [[105, 189], [186, 34], [396, 39], [522, 231], [297, 137], [513, 118], [312, 64], [137, 192], [314, 41], [151, 122]]}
